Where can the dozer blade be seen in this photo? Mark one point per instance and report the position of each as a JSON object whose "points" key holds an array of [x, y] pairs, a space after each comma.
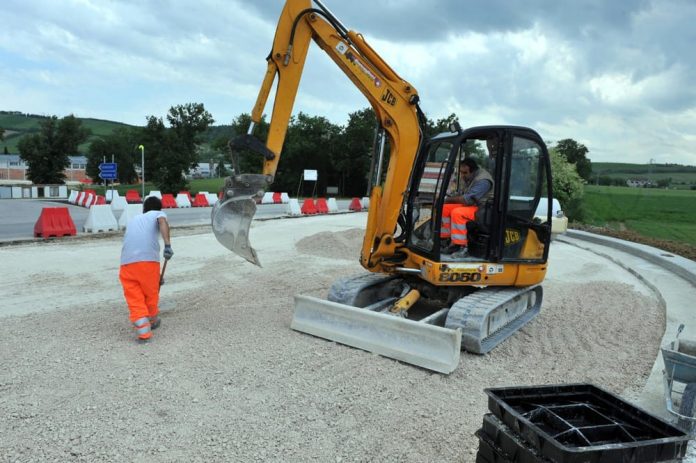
{"points": [[231, 220], [427, 346]]}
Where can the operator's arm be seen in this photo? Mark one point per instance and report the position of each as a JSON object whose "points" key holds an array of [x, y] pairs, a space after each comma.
{"points": [[164, 230], [476, 192]]}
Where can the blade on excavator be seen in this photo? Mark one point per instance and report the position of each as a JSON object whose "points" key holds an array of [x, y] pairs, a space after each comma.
{"points": [[428, 346], [231, 220]]}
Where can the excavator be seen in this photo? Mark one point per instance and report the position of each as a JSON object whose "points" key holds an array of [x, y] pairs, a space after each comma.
{"points": [[417, 302]]}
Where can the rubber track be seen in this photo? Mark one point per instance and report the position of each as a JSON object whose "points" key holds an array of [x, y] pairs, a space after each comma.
{"points": [[470, 314], [346, 290]]}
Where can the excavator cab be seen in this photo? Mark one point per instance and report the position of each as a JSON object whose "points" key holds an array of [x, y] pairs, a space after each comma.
{"points": [[504, 228]]}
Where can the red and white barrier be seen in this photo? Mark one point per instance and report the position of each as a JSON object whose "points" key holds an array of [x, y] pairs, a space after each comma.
{"points": [[322, 207], [200, 200], [284, 198], [168, 201], [333, 205], [118, 203], [100, 219], [212, 199], [183, 200], [72, 199], [355, 205], [54, 221], [267, 198], [294, 207]]}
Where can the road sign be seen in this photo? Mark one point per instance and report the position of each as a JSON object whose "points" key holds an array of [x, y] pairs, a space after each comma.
{"points": [[108, 170]]}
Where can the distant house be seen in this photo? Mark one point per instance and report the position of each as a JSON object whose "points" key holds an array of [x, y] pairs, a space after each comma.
{"points": [[14, 169], [639, 183]]}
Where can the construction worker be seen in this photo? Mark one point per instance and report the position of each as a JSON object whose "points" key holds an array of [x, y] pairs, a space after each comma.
{"points": [[461, 206], [140, 265]]}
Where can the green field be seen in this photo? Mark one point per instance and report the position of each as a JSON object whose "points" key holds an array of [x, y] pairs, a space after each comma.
{"points": [[211, 185], [681, 176], [656, 213]]}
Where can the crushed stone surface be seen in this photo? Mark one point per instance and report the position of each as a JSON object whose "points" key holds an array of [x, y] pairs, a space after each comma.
{"points": [[226, 379]]}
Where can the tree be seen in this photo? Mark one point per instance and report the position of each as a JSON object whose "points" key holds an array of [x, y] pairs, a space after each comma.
{"points": [[121, 145], [575, 153], [353, 152], [47, 152], [171, 152], [2, 134], [568, 187]]}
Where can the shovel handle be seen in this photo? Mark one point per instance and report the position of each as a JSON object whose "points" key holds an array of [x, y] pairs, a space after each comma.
{"points": [[164, 267]]}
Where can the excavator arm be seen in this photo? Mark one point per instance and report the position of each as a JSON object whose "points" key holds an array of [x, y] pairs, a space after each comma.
{"points": [[394, 101]]}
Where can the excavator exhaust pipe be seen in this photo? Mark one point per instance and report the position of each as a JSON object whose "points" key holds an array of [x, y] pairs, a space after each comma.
{"points": [[232, 215], [421, 344]]}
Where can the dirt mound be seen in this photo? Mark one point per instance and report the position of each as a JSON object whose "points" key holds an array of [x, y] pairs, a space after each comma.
{"points": [[339, 245]]}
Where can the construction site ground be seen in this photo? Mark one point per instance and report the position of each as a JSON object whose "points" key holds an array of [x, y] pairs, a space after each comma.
{"points": [[226, 379]]}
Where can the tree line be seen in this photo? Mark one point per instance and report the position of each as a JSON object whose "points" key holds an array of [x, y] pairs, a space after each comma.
{"points": [[340, 153]]}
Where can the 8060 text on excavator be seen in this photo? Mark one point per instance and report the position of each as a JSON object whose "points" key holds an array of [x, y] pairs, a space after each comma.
{"points": [[419, 301]]}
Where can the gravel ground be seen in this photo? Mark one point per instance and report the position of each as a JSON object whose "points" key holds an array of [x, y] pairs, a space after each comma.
{"points": [[226, 379]]}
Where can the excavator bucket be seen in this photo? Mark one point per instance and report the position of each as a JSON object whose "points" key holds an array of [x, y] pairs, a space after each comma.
{"points": [[422, 344], [231, 220]]}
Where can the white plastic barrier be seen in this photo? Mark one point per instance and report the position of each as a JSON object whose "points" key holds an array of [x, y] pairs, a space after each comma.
{"points": [[155, 193], [182, 200], [100, 219], [110, 195], [294, 207], [332, 204], [118, 203], [212, 199], [130, 211], [365, 202], [267, 198], [73, 197], [284, 198]]}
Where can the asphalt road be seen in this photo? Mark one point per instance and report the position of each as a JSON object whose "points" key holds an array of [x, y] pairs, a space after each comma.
{"points": [[18, 216]]}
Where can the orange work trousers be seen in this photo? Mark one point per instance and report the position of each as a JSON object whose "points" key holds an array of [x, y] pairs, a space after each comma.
{"points": [[140, 282], [454, 219]]}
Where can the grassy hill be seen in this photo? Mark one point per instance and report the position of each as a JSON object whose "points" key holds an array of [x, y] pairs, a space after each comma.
{"points": [[19, 125]]}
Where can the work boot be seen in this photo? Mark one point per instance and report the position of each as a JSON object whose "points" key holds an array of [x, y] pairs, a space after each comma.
{"points": [[462, 253], [155, 322], [451, 249]]}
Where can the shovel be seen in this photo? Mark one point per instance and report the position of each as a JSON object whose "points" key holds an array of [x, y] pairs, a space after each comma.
{"points": [[164, 267]]}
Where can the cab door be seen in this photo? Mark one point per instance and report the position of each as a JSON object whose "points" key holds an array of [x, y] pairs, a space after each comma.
{"points": [[526, 176]]}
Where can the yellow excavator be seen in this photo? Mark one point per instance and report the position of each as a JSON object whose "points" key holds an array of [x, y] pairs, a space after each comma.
{"points": [[417, 302]]}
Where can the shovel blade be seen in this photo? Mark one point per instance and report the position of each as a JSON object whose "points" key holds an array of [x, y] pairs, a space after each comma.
{"points": [[231, 220]]}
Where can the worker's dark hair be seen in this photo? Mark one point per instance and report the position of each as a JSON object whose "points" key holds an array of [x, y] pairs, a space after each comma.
{"points": [[153, 203], [471, 163]]}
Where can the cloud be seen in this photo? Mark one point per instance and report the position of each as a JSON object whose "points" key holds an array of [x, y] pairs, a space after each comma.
{"points": [[616, 76]]}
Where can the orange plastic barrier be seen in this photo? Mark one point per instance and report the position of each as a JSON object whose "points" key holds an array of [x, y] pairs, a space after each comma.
{"points": [[276, 198], [132, 196], [168, 201], [355, 205], [322, 206], [308, 207], [54, 221], [200, 201], [100, 201]]}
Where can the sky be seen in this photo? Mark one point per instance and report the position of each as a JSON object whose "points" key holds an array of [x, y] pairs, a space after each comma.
{"points": [[618, 76]]}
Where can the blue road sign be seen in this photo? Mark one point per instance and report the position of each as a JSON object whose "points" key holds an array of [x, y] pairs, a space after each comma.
{"points": [[108, 170]]}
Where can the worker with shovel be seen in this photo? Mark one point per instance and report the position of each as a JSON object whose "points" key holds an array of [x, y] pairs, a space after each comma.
{"points": [[140, 266]]}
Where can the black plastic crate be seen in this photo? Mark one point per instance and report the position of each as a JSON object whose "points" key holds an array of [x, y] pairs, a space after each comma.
{"points": [[582, 423], [508, 444]]}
